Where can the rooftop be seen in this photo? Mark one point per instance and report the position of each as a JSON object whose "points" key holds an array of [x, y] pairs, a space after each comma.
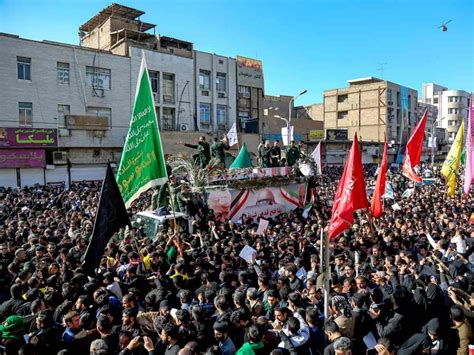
{"points": [[114, 9], [366, 80]]}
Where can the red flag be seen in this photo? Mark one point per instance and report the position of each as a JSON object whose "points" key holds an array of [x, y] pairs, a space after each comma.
{"points": [[414, 148], [376, 204], [350, 193]]}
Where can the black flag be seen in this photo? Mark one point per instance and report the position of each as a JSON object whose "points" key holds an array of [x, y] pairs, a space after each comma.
{"points": [[111, 216]]}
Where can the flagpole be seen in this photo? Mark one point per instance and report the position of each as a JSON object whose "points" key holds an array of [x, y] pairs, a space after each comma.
{"points": [[321, 251], [327, 275]]}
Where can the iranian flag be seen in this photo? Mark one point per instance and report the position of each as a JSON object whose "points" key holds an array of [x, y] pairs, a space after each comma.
{"points": [[142, 165]]}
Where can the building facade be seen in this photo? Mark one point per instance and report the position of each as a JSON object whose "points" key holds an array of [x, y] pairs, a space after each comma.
{"points": [[453, 106], [78, 99], [250, 95], [215, 92], [372, 108], [276, 111]]}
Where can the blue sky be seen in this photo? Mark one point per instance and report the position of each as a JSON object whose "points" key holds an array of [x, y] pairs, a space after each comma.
{"points": [[304, 44]]}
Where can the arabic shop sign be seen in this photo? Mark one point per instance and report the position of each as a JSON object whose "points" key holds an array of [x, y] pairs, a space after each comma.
{"points": [[28, 137], [249, 72], [22, 158]]}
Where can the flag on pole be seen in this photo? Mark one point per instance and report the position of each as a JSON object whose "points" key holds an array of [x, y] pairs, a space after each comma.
{"points": [[143, 164], [286, 136], [376, 203], [316, 155], [389, 193], [232, 135], [469, 167], [413, 151], [451, 164], [350, 193], [111, 216]]}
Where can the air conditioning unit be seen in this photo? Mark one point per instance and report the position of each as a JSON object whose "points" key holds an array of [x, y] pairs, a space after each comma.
{"points": [[98, 92], [59, 158], [183, 127], [98, 134], [205, 93], [156, 97], [221, 95], [168, 99]]}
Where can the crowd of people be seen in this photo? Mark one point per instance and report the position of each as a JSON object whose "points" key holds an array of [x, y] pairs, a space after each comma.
{"points": [[401, 284]]}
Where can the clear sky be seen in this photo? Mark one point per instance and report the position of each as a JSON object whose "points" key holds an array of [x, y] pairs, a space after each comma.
{"points": [[303, 44]]}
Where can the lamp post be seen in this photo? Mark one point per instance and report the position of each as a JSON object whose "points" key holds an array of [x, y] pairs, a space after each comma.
{"points": [[288, 122]]}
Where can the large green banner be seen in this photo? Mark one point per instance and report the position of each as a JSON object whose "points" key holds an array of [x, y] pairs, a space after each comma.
{"points": [[142, 165]]}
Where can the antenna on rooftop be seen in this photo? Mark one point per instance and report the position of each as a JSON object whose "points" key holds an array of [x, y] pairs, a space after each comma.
{"points": [[382, 67]]}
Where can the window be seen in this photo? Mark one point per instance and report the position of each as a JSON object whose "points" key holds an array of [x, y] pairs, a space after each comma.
{"points": [[389, 94], [452, 123], [221, 61], [398, 99], [100, 112], [221, 114], [341, 98], [168, 88], [204, 79], [63, 73], [244, 91], [342, 114], [155, 81], [428, 101], [220, 82], [167, 119], [435, 100], [455, 99], [63, 110], [205, 113], [24, 68], [454, 111], [25, 113], [98, 78], [409, 101]]}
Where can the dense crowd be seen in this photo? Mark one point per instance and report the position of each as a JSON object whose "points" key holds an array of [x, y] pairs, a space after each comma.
{"points": [[402, 284]]}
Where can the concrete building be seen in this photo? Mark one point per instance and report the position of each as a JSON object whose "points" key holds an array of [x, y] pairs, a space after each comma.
{"points": [[75, 101], [452, 106], [372, 108], [305, 129], [313, 112], [170, 62], [77, 92], [250, 95], [215, 92]]}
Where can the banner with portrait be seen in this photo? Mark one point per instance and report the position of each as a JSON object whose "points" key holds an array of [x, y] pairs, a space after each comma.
{"points": [[267, 202]]}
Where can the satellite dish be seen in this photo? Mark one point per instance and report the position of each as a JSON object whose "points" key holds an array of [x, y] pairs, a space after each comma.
{"points": [[444, 26]]}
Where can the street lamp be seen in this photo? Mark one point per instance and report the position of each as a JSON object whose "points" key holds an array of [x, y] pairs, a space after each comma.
{"points": [[288, 122]]}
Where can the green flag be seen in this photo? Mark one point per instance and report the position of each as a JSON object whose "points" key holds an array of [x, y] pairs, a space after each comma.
{"points": [[142, 165], [243, 159]]}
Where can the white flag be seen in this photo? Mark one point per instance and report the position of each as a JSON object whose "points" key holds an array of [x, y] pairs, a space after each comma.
{"points": [[316, 155], [232, 136], [285, 137], [432, 142]]}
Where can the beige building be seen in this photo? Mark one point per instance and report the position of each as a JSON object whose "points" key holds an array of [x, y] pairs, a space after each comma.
{"points": [[372, 108]]}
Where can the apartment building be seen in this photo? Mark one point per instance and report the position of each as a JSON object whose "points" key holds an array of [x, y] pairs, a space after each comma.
{"points": [[215, 92], [372, 108], [452, 105]]}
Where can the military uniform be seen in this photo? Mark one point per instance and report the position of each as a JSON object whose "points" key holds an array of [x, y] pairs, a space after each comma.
{"points": [[275, 153], [292, 155], [265, 157], [217, 152], [204, 153]]}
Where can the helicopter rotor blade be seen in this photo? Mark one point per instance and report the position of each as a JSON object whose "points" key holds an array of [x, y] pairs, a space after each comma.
{"points": [[447, 22]]}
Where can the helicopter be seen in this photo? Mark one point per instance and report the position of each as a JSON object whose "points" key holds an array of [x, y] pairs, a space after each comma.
{"points": [[444, 26]]}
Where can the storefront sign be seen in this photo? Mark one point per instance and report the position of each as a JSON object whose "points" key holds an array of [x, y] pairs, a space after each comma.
{"points": [[249, 72], [22, 158], [28, 137], [336, 134], [316, 135]]}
